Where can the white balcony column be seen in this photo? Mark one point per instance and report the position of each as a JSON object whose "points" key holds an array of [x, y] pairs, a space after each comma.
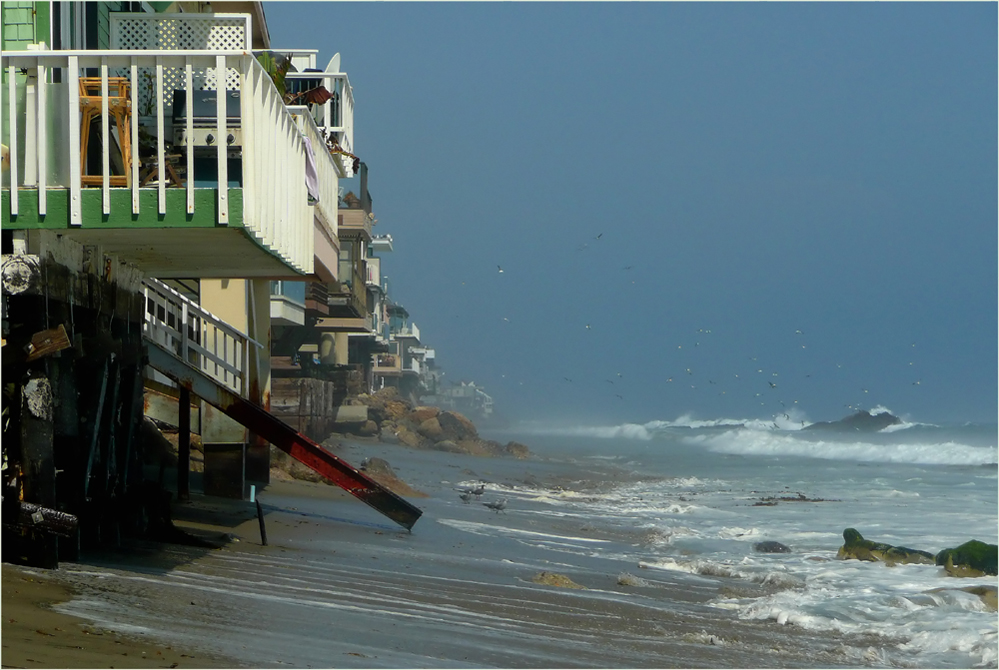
{"points": [[341, 348], [327, 348]]}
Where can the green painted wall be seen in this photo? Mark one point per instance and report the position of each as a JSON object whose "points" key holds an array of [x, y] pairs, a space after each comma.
{"points": [[24, 23], [57, 217], [104, 10]]}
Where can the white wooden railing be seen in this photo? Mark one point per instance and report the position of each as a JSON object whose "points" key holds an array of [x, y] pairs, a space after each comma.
{"points": [[197, 336], [45, 149], [409, 331], [328, 168]]}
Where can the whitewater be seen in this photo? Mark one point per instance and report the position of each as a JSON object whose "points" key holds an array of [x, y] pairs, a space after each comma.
{"points": [[695, 496]]}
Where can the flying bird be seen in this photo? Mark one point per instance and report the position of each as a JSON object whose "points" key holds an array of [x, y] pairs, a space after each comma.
{"points": [[500, 269]]}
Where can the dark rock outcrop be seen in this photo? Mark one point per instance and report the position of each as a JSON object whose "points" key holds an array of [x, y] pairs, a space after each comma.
{"points": [[971, 559], [862, 421], [771, 547], [517, 450], [855, 546], [395, 420], [457, 427]]}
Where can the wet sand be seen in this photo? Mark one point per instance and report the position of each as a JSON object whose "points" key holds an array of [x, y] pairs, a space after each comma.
{"points": [[36, 636], [340, 586]]}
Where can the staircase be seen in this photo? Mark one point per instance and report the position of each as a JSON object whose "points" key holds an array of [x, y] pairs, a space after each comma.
{"points": [[209, 358]]}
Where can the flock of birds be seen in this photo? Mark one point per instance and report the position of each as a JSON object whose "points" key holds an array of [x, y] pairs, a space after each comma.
{"points": [[775, 394], [467, 494]]}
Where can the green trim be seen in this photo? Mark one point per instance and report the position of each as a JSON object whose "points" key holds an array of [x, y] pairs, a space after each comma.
{"points": [[43, 31], [205, 210]]}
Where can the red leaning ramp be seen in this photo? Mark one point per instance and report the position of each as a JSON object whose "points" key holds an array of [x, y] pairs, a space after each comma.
{"points": [[284, 437]]}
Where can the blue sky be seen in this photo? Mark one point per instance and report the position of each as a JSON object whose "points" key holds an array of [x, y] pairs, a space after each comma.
{"points": [[796, 202]]}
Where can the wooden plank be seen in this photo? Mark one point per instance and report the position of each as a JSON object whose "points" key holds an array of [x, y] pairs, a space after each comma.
{"points": [[47, 342]]}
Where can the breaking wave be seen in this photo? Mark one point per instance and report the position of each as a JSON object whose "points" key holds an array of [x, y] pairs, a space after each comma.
{"points": [[758, 443]]}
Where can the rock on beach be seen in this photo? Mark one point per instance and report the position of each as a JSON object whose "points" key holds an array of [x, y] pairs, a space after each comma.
{"points": [[855, 546], [555, 579]]}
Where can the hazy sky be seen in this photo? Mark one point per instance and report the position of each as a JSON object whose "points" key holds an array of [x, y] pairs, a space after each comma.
{"points": [[800, 195]]}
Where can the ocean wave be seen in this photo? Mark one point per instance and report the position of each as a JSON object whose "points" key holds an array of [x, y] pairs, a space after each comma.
{"points": [[761, 443], [789, 420]]}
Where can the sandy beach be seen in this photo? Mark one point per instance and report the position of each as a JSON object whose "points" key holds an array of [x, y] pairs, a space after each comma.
{"points": [[338, 585], [37, 636]]}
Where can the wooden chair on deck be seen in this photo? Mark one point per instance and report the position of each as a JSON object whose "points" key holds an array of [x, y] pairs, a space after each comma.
{"points": [[120, 109]]}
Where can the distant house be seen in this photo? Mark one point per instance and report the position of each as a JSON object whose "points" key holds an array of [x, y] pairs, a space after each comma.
{"points": [[464, 397]]}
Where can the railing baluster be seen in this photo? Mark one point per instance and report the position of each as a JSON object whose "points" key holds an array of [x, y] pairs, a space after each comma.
{"points": [[160, 158], [73, 76], [222, 150], [105, 139], [189, 92], [134, 127], [183, 333], [247, 101], [12, 116], [41, 145]]}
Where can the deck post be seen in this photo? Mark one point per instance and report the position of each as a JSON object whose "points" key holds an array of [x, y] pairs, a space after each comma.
{"points": [[38, 463], [184, 445]]}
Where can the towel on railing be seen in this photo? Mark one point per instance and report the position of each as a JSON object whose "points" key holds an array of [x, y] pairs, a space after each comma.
{"points": [[311, 173]]}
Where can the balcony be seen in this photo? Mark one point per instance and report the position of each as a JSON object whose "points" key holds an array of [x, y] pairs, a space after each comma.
{"points": [[408, 332], [381, 243], [388, 364], [350, 298], [156, 170], [355, 222]]}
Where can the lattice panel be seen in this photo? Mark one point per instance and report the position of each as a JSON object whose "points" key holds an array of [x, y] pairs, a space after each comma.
{"points": [[174, 32]]}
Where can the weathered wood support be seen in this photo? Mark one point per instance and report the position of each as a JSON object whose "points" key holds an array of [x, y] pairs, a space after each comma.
{"points": [[38, 464], [184, 446], [75, 336]]}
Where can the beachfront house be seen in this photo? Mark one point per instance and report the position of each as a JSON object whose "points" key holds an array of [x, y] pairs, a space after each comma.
{"points": [[161, 178]]}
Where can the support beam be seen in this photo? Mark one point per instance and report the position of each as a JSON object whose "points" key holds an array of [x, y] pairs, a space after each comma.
{"points": [[284, 437]]}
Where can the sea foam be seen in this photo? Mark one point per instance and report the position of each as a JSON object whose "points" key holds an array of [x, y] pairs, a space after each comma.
{"points": [[760, 443]]}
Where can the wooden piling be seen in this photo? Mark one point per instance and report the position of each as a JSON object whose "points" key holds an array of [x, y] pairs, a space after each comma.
{"points": [[184, 445]]}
